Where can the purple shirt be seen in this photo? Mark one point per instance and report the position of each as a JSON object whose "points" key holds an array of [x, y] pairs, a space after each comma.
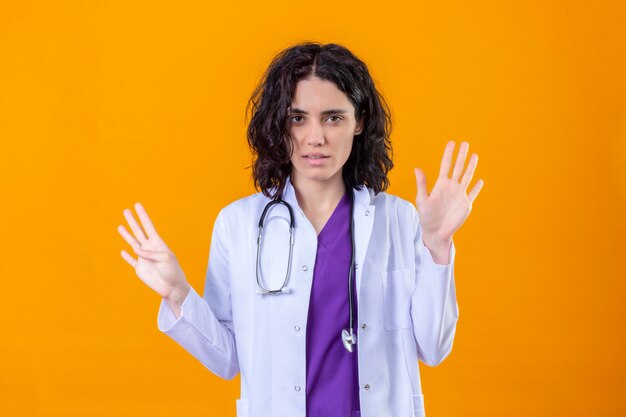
{"points": [[332, 380]]}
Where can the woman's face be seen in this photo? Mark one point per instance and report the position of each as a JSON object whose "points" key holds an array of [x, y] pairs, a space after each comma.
{"points": [[322, 126]]}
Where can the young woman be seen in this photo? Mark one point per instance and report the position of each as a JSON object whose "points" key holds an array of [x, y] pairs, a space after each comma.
{"points": [[322, 290]]}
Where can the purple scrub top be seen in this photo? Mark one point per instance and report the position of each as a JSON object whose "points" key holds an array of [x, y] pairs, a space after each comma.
{"points": [[332, 380]]}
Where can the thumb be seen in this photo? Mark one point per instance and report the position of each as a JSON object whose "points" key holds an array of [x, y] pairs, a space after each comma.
{"points": [[420, 179]]}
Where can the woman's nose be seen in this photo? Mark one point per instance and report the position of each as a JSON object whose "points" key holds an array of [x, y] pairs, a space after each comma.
{"points": [[315, 135]]}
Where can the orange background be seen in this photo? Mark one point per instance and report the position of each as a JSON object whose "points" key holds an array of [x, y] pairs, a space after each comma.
{"points": [[106, 103]]}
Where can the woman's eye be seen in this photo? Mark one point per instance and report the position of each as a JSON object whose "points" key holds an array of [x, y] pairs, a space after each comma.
{"points": [[299, 119]]}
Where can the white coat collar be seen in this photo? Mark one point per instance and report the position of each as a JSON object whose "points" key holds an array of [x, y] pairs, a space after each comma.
{"points": [[362, 195]]}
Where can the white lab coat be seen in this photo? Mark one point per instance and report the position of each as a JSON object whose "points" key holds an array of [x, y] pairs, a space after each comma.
{"points": [[407, 307]]}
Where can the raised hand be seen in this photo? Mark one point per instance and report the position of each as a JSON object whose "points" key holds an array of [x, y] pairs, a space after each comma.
{"points": [[444, 211], [156, 264]]}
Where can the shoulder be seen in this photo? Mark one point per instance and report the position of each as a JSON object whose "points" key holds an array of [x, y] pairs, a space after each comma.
{"points": [[391, 203], [242, 208], [395, 211]]}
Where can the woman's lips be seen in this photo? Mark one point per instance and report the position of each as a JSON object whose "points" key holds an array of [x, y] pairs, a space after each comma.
{"points": [[316, 159]]}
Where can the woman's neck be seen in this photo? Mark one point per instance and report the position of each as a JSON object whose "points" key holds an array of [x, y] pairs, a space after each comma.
{"points": [[318, 199]]}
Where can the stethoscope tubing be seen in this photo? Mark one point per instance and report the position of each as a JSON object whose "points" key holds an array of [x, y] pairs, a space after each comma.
{"points": [[282, 289], [348, 338]]}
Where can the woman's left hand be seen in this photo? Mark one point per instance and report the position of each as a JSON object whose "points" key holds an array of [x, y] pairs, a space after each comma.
{"points": [[444, 211]]}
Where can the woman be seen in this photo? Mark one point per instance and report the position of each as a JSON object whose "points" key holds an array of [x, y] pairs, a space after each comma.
{"points": [[327, 318]]}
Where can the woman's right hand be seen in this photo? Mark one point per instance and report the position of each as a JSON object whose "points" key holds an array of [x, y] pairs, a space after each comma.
{"points": [[156, 264]]}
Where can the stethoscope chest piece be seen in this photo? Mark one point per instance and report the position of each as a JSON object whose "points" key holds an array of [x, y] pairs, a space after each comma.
{"points": [[348, 339]]}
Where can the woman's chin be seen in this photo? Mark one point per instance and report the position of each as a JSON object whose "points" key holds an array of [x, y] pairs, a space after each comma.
{"points": [[317, 175]]}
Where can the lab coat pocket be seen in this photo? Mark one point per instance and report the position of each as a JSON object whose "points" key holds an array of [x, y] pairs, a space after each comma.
{"points": [[242, 408], [418, 405], [398, 287]]}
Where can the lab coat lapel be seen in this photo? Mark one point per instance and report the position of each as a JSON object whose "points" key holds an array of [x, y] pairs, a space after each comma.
{"points": [[363, 223]]}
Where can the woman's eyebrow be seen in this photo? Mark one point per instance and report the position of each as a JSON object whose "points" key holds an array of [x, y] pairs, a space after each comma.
{"points": [[296, 110]]}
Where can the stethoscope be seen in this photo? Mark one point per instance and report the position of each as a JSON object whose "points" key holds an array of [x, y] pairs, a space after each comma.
{"points": [[348, 337]]}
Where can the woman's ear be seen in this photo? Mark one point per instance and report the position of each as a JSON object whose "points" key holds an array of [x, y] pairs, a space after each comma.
{"points": [[360, 124]]}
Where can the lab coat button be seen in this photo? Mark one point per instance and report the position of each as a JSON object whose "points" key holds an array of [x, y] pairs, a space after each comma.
{"points": [[363, 326], [367, 387], [296, 328], [305, 268], [367, 212], [297, 388]]}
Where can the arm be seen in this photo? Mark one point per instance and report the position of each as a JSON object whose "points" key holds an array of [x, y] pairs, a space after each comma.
{"points": [[204, 327], [441, 213], [434, 309]]}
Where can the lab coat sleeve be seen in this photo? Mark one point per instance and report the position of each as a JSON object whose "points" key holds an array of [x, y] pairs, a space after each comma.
{"points": [[434, 309], [205, 327]]}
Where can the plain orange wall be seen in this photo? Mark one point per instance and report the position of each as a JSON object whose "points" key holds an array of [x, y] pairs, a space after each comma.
{"points": [[105, 103]]}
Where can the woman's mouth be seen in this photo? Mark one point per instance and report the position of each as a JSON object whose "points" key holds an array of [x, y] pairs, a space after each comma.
{"points": [[315, 159]]}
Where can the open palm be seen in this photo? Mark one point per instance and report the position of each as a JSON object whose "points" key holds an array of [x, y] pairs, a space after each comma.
{"points": [[444, 211], [156, 264]]}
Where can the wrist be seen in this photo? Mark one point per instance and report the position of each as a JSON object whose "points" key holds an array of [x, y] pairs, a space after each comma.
{"points": [[178, 294], [439, 248], [434, 241]]}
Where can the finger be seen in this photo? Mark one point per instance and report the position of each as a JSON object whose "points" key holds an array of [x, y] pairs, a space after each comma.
{"points": [[469, 172], [420, 179], [127, 236], [132, 261], [474, 193], [152, 255], [141, 237], [446, 160], [145, 220], [460, 161]]}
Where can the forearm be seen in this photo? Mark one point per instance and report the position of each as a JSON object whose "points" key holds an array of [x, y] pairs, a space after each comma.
{"points": [[202, 334], [434, 308]]}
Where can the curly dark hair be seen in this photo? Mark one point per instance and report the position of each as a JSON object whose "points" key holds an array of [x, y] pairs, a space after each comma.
{"points": [[268, 132]]}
